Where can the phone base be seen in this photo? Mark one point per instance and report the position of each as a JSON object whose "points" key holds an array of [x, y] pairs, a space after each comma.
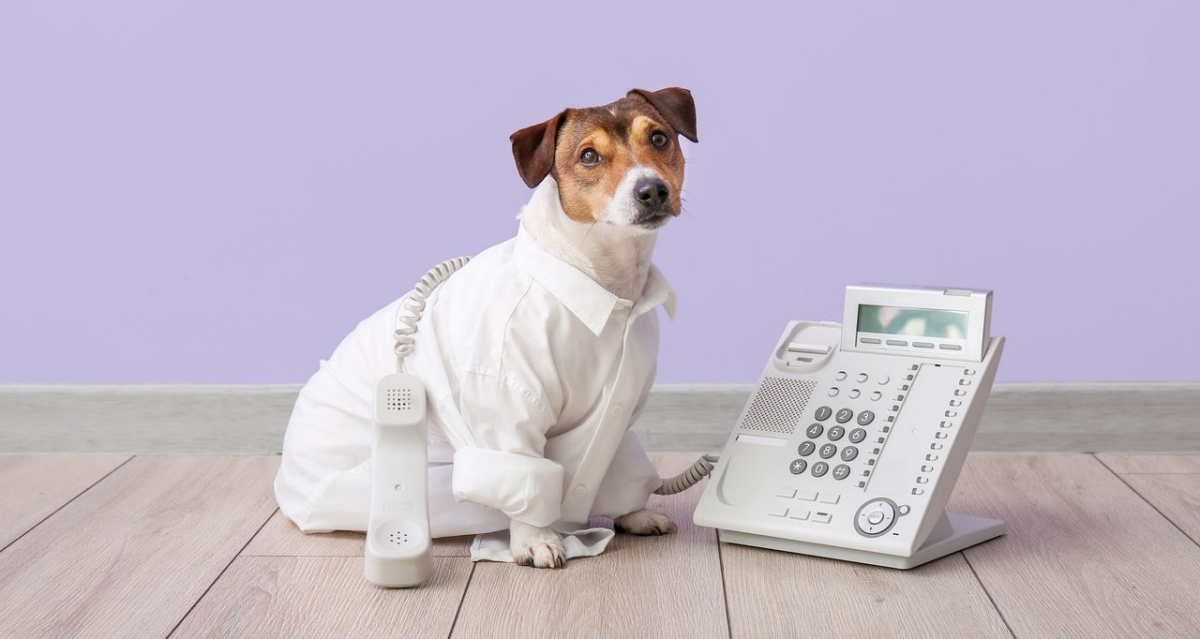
{"points": [[953, 533]]}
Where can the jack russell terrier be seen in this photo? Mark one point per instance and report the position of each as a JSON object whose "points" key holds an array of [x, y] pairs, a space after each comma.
{"points": [[537, 355]]}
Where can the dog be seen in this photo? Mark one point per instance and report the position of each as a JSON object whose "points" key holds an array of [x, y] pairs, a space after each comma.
{"points": [[620, 172], [537, 355]]}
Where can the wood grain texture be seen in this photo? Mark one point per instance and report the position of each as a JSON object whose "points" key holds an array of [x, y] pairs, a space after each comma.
{"points": [[1176, 496], [133, 554], [1122, 463], [34, 486], [1084, 555], [313, 597], [778, 594], [640, 586], [281, 538]]}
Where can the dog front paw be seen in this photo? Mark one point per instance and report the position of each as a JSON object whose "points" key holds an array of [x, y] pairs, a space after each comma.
{"points": [[644, 522], [536, 546]]}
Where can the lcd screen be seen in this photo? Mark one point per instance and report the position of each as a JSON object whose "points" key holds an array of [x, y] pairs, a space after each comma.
{"points": [[918, 322]]}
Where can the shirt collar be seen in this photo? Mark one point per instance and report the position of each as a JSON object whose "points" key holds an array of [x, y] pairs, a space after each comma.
{"points": [[587, 300]]}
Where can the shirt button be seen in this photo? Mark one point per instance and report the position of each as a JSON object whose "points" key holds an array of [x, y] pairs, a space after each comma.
{"points": [[616, 410], [579, 491]]}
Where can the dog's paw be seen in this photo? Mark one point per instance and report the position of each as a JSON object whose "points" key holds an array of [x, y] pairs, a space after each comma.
{"points": [[644, 522], [535, 546]]}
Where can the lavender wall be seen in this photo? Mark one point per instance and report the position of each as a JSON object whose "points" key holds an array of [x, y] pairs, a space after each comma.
{"points": [[218, 191]]}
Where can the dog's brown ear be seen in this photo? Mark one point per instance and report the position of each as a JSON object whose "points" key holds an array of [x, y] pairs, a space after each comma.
{"points": [[676, 105], [533, 149]]}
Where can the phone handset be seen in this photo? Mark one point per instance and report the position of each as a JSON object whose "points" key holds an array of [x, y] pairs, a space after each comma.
{"points": [[398, 552]]}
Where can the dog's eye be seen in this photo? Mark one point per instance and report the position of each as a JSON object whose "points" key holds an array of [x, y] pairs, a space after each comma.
{"points": [[658, 139], [589, 157]]}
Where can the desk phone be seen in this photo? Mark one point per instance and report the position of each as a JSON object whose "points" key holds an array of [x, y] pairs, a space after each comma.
{"points": [[851, 443]]}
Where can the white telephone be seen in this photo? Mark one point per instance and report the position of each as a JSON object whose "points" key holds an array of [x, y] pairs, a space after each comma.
{"points": [[851, 443]]}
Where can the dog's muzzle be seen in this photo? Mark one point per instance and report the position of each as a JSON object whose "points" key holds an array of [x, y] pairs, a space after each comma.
{"points": [[653, 197]]}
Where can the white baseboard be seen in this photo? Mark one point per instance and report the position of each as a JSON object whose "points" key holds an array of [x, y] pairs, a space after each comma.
{"points": [[250, 420]]}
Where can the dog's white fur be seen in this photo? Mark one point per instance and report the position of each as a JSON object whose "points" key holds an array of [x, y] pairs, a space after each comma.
{"points": [[615, 252]]}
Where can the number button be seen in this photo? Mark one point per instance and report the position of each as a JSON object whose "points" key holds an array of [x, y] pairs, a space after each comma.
{"points": [[814, 431], [807, 448], [857, 435], [849, 453], [841, 471], [819, 469], [798, 466], [836, 433], [823, 413], [844, 415], [828, 450], [865, 418]]}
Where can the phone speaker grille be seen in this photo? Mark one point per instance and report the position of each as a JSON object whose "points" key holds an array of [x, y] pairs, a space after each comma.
{"points": [[778, 405], [399, 399]]}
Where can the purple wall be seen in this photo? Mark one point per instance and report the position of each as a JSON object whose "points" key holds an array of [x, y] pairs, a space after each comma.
{"points": [[218, 191]]}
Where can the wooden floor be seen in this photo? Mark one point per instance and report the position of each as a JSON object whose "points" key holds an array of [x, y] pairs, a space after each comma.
{"points": [[111, 546]]}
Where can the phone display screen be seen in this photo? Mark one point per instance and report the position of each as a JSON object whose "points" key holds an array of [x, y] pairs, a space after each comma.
{"points": [[916, 322]]}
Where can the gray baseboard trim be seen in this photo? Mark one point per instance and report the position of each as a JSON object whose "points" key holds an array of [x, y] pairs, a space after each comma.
{"points": [[250, 420]]}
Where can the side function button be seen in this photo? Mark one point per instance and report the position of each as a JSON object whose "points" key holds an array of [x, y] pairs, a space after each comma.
{"points": [[857, 435], [823, 413], [836, 433], [798, 466], [807, 448], [844, 415]]}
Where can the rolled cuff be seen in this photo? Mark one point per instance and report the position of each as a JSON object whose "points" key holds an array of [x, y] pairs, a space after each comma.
{"points": [[527, 489]]}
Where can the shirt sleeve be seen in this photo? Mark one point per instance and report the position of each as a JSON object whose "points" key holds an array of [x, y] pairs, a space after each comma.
{"points": [[505, 469]]}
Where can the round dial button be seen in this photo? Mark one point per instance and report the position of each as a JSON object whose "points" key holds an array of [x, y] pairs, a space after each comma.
{"points": [[798, 466], [836, 433], [828, 450], [819, 469], [865, 418], [807, 448], [857, 435], [814, 431], [849, 453], [844, 415], [875, 517], [823, 413], [841, 471]]}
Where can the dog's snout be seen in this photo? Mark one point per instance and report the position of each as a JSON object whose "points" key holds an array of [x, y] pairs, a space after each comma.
{"points": [[651, 192]]}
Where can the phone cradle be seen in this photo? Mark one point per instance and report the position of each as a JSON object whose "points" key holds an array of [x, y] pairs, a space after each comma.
{"points": [[398, 548]]}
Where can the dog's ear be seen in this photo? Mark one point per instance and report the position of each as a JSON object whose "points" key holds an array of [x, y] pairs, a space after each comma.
{"points": [[533, 149], [676, 105]]}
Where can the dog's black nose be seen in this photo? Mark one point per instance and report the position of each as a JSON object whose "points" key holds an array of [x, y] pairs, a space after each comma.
{"points": [[651, 192]]}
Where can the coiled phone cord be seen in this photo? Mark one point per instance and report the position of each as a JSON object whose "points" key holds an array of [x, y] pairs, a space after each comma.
{"points": [[689, 477], [414, 305]]}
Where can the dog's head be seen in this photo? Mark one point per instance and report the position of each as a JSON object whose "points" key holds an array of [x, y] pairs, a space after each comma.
{"points": [[619, 164]]}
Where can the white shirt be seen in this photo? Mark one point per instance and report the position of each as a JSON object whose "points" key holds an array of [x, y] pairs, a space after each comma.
{"points": [[534, 373]]}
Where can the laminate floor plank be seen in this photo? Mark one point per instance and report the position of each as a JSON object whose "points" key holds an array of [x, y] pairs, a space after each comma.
{"points": [[1084, 555], [135, 552], [667, 586], [1176, 496], [313, 597], [281, 538], [34, 486], [1123, 463], [777, 594]]}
